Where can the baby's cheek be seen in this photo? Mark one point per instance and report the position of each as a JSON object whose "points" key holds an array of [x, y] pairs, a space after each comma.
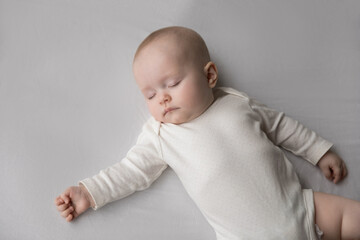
{"points": [[153, 111], [189, 97], [158, 117]]}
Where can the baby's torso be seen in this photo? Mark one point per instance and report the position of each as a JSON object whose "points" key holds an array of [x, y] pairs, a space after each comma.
{"points": [[238, 178]]}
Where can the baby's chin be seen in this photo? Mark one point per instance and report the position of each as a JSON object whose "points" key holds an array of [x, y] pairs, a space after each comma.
{"points": [[176, 120], [172, 121]]}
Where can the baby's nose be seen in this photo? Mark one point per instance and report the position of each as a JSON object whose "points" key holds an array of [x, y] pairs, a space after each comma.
{"points": [[165, 98]]}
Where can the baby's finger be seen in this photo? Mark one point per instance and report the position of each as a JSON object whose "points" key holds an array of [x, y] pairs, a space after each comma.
{"points": [[58, 201], [337, 174], [327, 173], [66, 213], [65, 197], [69, 218], [62, 207], [344, 170]]}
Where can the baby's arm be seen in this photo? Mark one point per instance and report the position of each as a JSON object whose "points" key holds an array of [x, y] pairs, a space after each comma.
{"points": [[142, 165], [73, 201], [291, 135]]}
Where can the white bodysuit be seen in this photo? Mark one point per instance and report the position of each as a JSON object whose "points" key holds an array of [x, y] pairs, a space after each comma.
{"points": [[229, 162]]}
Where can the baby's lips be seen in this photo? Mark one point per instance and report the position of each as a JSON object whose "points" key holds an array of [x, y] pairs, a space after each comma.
{"points": [[169, 109]]}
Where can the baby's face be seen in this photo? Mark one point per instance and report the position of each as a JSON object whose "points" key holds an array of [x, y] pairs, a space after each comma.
{"points": [[176, 89]]}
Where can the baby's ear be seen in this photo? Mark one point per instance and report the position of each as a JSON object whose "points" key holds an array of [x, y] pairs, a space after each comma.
{"points": [[211, 73]]}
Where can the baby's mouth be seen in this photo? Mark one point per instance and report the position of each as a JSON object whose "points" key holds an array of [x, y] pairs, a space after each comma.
{"points": [[170, 109]]}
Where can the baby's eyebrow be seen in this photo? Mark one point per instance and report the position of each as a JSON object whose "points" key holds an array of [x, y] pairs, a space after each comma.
{"points": [[162, 84], [145, 89]]}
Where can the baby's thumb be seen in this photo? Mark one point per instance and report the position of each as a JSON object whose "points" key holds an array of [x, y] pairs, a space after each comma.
{"points": [[66, 196], [337, 174], [327, 173]]}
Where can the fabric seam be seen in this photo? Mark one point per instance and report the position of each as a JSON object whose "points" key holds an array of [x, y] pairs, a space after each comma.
{"points": [[307, 214]]}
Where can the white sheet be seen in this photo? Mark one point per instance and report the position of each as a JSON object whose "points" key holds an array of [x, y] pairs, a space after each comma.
{"points": [[69, 106]]}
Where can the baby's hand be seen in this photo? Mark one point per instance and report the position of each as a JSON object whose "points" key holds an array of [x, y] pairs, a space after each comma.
{"points": [[73, 202], [332, 166]]}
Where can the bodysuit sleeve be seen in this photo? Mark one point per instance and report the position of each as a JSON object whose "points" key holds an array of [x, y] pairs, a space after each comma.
{"points": [[142, 165], [290, 134]]}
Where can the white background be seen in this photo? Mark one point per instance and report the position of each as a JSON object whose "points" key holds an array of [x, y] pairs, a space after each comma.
{"points": [[69, 105]]}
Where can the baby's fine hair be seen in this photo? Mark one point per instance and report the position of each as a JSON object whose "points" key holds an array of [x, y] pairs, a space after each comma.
{"points": [[195, 44]]}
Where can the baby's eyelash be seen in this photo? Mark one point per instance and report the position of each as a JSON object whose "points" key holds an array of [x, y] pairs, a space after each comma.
{"points": [[171, 85], [175, 84], [151, 97]]}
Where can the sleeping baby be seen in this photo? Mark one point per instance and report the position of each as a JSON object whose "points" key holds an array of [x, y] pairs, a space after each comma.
{"points": [[225, 149]]}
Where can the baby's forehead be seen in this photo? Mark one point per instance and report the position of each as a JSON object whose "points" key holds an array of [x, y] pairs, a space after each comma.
{"points": [[168, 49], [183, 41], [162, 59], [171, 44]]}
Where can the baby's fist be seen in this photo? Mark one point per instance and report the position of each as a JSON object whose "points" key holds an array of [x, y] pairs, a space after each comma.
{"points": [[73, 202], [332, 166]]}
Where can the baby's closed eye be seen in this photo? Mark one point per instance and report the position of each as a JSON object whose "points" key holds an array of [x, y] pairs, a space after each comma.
{"points": [[149, 95], [174, 83]]}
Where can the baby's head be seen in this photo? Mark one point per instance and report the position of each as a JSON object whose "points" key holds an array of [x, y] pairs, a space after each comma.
{"points": [[173, 70]]}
